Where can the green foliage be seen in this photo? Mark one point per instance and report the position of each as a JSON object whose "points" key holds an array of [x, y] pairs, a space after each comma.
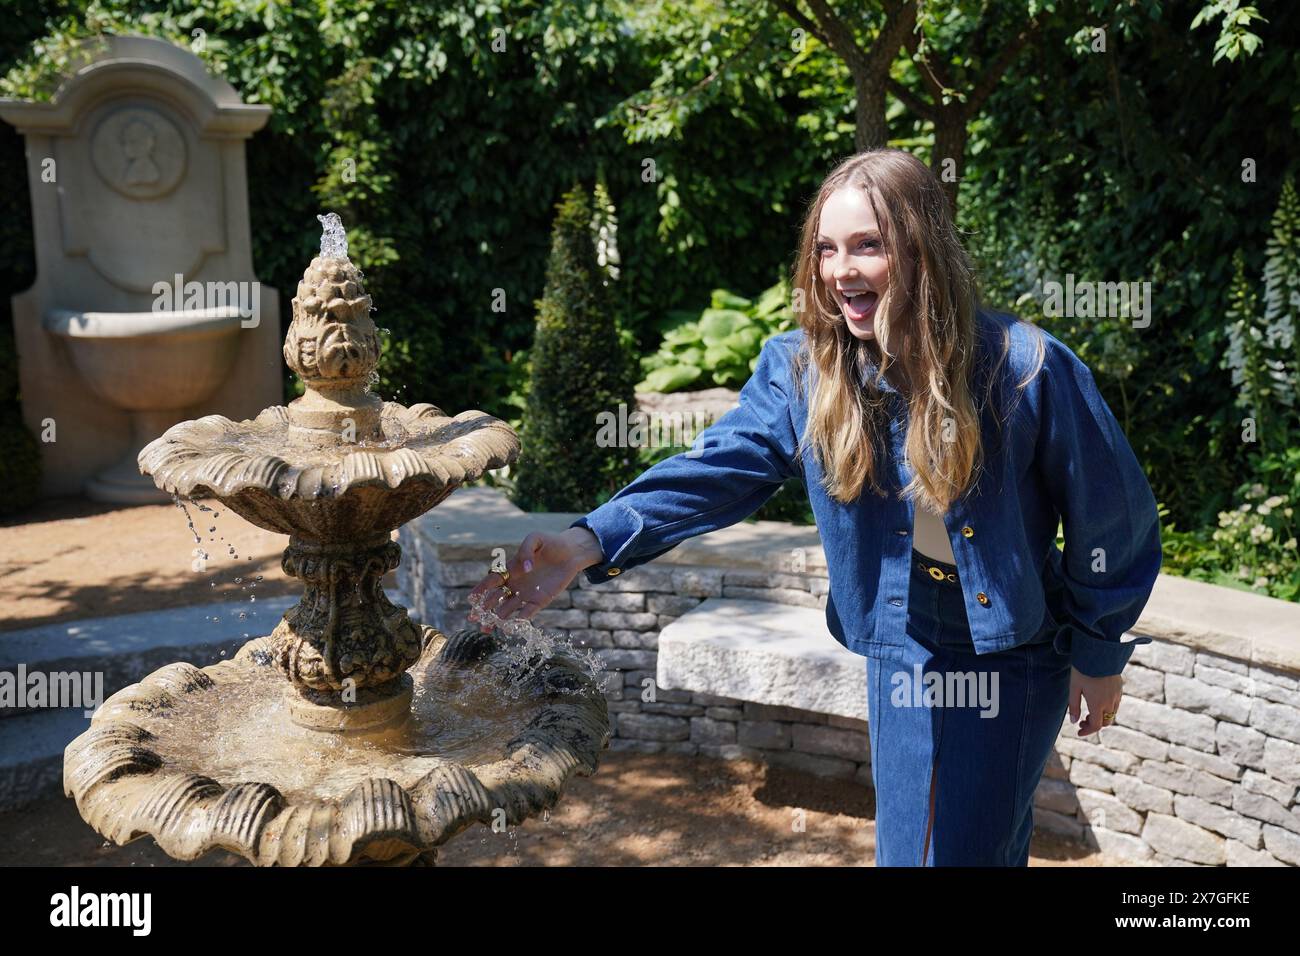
{"points": [[1263, 348], [1235, 37], [1282, 297], [1247, 357], [719, 346], [20, 465], [581, 373], [1254, 546], [1113, 167]]}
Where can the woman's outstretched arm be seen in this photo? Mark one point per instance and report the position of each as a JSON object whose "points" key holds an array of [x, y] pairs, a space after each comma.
{"points": [[736, 465]]}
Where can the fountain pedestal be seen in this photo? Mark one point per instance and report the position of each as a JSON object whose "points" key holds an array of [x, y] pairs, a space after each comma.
{"points": [[345, 641]]}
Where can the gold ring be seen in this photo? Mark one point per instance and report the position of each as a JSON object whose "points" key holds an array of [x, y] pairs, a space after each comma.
{"points": [[509, 592], [1108, 715], [505, 577]]}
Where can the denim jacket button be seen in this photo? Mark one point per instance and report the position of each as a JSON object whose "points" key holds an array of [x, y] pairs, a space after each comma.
{"points": [[982, 598], [902, 531], [968, 531], [613, 571]]}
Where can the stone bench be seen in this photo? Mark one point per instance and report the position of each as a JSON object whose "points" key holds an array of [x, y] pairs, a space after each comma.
{"points": [[761, 651]]}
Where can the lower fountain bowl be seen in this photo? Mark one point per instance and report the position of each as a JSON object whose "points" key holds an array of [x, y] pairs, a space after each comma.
{"points": [[207, 758]]}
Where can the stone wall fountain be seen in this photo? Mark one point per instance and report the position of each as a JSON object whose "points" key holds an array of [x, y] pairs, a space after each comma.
{"points": [[138, 185], [350, 734]]}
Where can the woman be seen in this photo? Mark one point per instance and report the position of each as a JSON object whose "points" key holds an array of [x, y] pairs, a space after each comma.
{"points": [[940, 444]]}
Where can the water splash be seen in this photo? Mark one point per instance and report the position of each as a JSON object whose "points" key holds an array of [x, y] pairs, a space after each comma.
{"points": [[530, 648], [333, 240]]}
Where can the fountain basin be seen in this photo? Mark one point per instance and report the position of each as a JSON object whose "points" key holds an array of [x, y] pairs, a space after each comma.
{"points": [[152, 365], [203, 758], [280, 478]]}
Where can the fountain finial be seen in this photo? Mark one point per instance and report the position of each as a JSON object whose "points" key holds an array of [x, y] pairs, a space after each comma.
{"points": [[332, 343]]}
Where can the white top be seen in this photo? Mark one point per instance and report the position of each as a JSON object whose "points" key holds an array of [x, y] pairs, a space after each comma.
{"points": [[930, 536]]}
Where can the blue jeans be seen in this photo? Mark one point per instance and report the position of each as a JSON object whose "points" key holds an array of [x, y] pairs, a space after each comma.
{"points": [[966, 734]]}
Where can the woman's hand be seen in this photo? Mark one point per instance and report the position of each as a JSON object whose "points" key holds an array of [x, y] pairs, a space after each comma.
{"points": [[543, 567], [1102, 695]]}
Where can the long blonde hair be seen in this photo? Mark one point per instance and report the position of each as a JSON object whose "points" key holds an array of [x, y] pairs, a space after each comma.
{"points": [[935, 343]]}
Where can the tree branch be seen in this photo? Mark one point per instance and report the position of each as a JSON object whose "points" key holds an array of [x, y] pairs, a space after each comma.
{"points": [[900, 20], [839, 37], [914, 103], [989, 81], [794, 13]]}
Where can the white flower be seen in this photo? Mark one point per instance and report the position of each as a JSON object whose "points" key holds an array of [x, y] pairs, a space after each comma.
{"points": [[1275, 501], [1261, 582], [1245, 507], [1290, 545], [1265, 509], [1256, 490]]}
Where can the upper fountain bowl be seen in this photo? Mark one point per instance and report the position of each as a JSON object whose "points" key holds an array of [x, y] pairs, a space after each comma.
{"points": [[267, 472], [339, 463]]}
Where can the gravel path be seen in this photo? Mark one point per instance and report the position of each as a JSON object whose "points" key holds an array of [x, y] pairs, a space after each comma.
{"points": [[637, 810], [68, 559]]}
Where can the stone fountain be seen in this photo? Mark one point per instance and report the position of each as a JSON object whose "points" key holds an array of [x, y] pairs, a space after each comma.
{"points": [[349, 734]]}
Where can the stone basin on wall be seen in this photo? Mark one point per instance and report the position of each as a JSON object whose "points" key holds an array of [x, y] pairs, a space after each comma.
{"points": [[151, 365]]}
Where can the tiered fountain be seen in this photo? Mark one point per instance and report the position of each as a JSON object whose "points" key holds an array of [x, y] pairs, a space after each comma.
{"points": [[349, 734]]}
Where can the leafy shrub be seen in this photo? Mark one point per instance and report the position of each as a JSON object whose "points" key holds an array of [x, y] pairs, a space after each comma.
{"points": [[719, 346], [1260, 536]]}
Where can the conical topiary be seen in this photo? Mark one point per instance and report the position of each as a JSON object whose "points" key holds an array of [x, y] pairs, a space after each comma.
{"points": [[580, 369]]}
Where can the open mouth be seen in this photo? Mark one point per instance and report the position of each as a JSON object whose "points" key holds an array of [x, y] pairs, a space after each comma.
{"points": [[861, 306]]}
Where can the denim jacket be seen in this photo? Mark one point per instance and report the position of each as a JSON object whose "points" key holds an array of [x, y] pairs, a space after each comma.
{"points": [[1061, 458]]}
